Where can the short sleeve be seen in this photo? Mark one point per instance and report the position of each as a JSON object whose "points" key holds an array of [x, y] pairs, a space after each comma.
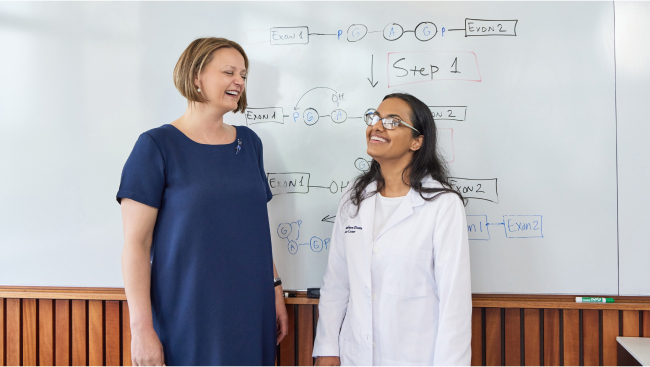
{"points": [[143, 176], [260, 161]]}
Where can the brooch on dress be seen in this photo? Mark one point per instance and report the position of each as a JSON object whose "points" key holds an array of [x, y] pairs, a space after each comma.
{"points": [[238, 148]]}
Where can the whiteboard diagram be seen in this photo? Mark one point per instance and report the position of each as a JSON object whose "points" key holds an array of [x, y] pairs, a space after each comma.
{"points": [[464, 73]]}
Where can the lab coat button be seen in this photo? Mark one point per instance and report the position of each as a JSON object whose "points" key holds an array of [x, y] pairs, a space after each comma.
{"points": [[373, 345], [374, 297], [376, 249]]}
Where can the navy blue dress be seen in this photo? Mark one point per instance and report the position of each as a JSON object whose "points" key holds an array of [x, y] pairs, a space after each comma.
{"points": [[212, 294]]}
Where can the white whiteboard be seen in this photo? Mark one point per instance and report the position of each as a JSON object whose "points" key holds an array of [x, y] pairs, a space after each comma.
{"points": [[632, 95], [83, 80]]}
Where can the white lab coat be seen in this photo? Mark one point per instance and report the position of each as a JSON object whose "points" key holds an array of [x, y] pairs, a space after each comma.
{"points": [[416, 308]]}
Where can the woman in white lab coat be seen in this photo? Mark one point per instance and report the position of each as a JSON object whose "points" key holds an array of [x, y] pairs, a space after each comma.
{"points": [[397, 285]]}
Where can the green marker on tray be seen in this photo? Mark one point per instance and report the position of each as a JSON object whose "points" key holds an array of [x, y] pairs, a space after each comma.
{"points": [[594, 300]]}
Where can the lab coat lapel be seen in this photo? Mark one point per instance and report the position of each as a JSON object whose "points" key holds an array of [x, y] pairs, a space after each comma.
{"points": [[367, 217], [403, 211]]}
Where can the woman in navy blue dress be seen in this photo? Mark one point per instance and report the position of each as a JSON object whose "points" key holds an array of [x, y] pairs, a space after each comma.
{"points": [[197, 263]]}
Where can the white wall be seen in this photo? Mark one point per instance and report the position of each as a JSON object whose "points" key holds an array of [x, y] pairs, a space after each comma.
{"points": [[632, 96]]}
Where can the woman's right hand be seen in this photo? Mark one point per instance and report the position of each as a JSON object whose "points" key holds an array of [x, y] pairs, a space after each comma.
{"points": [[146, 349], [327, 361], [139, 221]]}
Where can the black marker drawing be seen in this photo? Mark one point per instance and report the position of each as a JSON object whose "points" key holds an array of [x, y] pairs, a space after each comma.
{"points": [[288, 183], [424, 31], [362, 164], [298, 182], [473, 188], [393, 31], [335, 97], [310, 116], [258, 115], [486, 27], [372, 62], [290, 35], [453, 113], [356, 32]]}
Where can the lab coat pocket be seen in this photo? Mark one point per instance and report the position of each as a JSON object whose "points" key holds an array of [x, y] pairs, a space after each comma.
{"points": [[347, 352], [409, 273]]}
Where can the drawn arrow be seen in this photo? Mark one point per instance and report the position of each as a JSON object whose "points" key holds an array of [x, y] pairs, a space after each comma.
{"points": [[372, 62], [328, 219], [495, 224], [296, 106]]}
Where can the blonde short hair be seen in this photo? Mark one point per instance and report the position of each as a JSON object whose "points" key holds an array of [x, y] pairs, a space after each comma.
{"points": [[191, 62]]}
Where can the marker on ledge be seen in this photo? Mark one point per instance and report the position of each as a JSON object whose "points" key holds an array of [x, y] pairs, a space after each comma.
{"points": [[594, 300]]}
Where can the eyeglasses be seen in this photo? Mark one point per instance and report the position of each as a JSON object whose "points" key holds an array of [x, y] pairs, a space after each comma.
{"points": [[390, 123]]}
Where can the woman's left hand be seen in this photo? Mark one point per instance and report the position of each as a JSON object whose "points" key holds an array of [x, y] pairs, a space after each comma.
{"points": [[282, 320]]}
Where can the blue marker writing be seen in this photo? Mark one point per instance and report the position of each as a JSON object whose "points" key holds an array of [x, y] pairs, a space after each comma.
{"points": [[340, 32]]}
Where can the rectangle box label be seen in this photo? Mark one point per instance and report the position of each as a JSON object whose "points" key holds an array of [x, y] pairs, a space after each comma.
{"points": [[261, 115], [453, 113], [477, 228], [475, 188], [523, 226], [289, 35], [419, 67], [288, 183], [486, 27]]}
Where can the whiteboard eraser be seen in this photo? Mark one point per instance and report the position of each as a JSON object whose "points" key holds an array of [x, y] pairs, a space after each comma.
{"points": [[313, 292]]}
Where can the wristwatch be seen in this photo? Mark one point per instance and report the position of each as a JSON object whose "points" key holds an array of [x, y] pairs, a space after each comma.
{"points": [[277, 281]]}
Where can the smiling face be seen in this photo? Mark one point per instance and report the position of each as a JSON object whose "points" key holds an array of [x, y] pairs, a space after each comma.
{"points": [[222, 80], [392, 145]]}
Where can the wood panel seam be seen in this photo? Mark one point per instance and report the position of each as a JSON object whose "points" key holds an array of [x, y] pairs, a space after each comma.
{"points": [[21, 332]]}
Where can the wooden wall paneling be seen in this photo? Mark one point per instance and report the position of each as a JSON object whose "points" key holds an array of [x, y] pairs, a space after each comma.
{"points": [[79, 330], [513, 337], [552, 337], [493, 336], [591, 337], [45, 332], [112, 333], [95, 333], [29, 332], [610, 332], [305, 335], [288, 345], [62, 334], [630, 323], [126, 335], [571, 337], [532, 351], [477, 337], [13, 332], [2, 331]]}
